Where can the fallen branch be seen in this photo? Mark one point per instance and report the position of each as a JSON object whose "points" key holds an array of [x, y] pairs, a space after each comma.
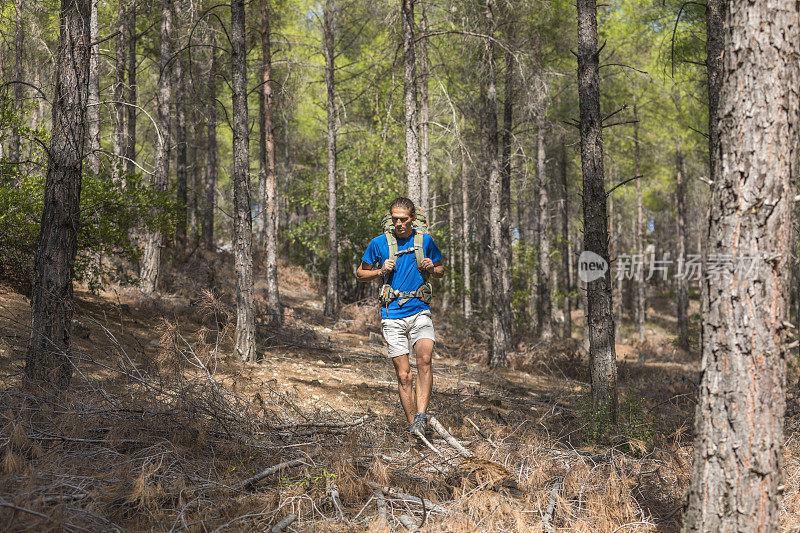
{"points": [[334, 490], [381, 503], [281, 526], [449, 438], [268, 472], [332, 425], [547, 521], [481, 433], [399, 494], [408, 523]]}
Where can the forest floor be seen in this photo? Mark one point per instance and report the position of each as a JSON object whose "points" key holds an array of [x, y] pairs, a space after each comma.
{"points": [[164, 428]]}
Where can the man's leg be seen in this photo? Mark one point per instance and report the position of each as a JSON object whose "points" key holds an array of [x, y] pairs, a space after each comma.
{"points": [[423, 349], [403, 370]]}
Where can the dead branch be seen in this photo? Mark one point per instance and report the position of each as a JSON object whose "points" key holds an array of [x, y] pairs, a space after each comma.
{"points": [[547, 521], [268, 472], [408, 523], [400, 495], [449, 438], [281, 526]]}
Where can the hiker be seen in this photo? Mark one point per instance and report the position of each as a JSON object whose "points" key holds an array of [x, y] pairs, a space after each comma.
{"points": [[405, 256]]}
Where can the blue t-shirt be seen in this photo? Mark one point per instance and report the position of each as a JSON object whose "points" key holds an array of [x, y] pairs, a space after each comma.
{"points": [[405, 277]]}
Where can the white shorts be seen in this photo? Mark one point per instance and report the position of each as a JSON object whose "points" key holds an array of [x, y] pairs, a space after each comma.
{"points": [[402, 333]]}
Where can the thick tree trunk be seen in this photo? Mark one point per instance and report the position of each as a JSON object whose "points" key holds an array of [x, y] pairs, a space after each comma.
{"points": [[242, 221], [181, 172], [119, 91], [682, 292], [210, 186], [151, 256], [332, 293], [715, 44], [268, 198], [501, 312], [93, 110], [48, 356], [424, 129], [130, 147], [737, 472], [566, 251], [545, 306], [600, 320], [466, 259], [410, 102], [641, 303]]}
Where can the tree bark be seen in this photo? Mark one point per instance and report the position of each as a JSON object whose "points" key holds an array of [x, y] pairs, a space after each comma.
{"points": [[19, 74], [600, 320], [466, 259], [641, 303], [505, 168], [715, 43], [682, 292], [181, 172], [210, 186], [424, 127], [501, 312], [48, 356], [545, 306], [151, 256], [566, 253], [242, 221], [332, 293], [738, 453], [268, 199], [119, 91], [93, 102], [410, 101], [130, 148]]}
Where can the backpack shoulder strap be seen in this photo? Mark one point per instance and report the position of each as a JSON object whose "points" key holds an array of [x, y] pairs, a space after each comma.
{"points": [[419, 253], [391, 240]]}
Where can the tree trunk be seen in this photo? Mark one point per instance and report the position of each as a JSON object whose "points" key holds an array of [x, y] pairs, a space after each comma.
{"points": [[242, 221], [19, 74], [715, 44], [600, 320], [738, 470], [545, 307], [332, 293], [501, 312], [210, 193], [119, 91], [410, 102], [93, 110], [268, 196], [641, 303], [424, 127], [48, 356], [181, 174], [466, 239], [151, 256], [682, 291], [505, 186], [566, 252], [130, 149]]}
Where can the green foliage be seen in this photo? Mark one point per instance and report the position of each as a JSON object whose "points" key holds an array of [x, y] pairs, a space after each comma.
{"points": [[109, 211]]}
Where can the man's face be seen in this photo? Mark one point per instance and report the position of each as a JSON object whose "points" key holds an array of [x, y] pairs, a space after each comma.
{"points": [[402, 220]]}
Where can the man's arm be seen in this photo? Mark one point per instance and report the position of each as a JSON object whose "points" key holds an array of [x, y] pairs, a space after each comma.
{"points": [[366, 273], [434, 269]]}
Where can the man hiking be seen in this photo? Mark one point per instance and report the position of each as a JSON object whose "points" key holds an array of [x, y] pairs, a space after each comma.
{"points": [[405, 256]]}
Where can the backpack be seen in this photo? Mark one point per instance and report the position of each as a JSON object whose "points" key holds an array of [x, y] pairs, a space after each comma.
{"points": [[425, 291]]}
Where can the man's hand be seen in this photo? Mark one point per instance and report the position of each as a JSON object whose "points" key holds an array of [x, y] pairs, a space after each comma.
{"points": [[426, 265], [387, 267]]}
